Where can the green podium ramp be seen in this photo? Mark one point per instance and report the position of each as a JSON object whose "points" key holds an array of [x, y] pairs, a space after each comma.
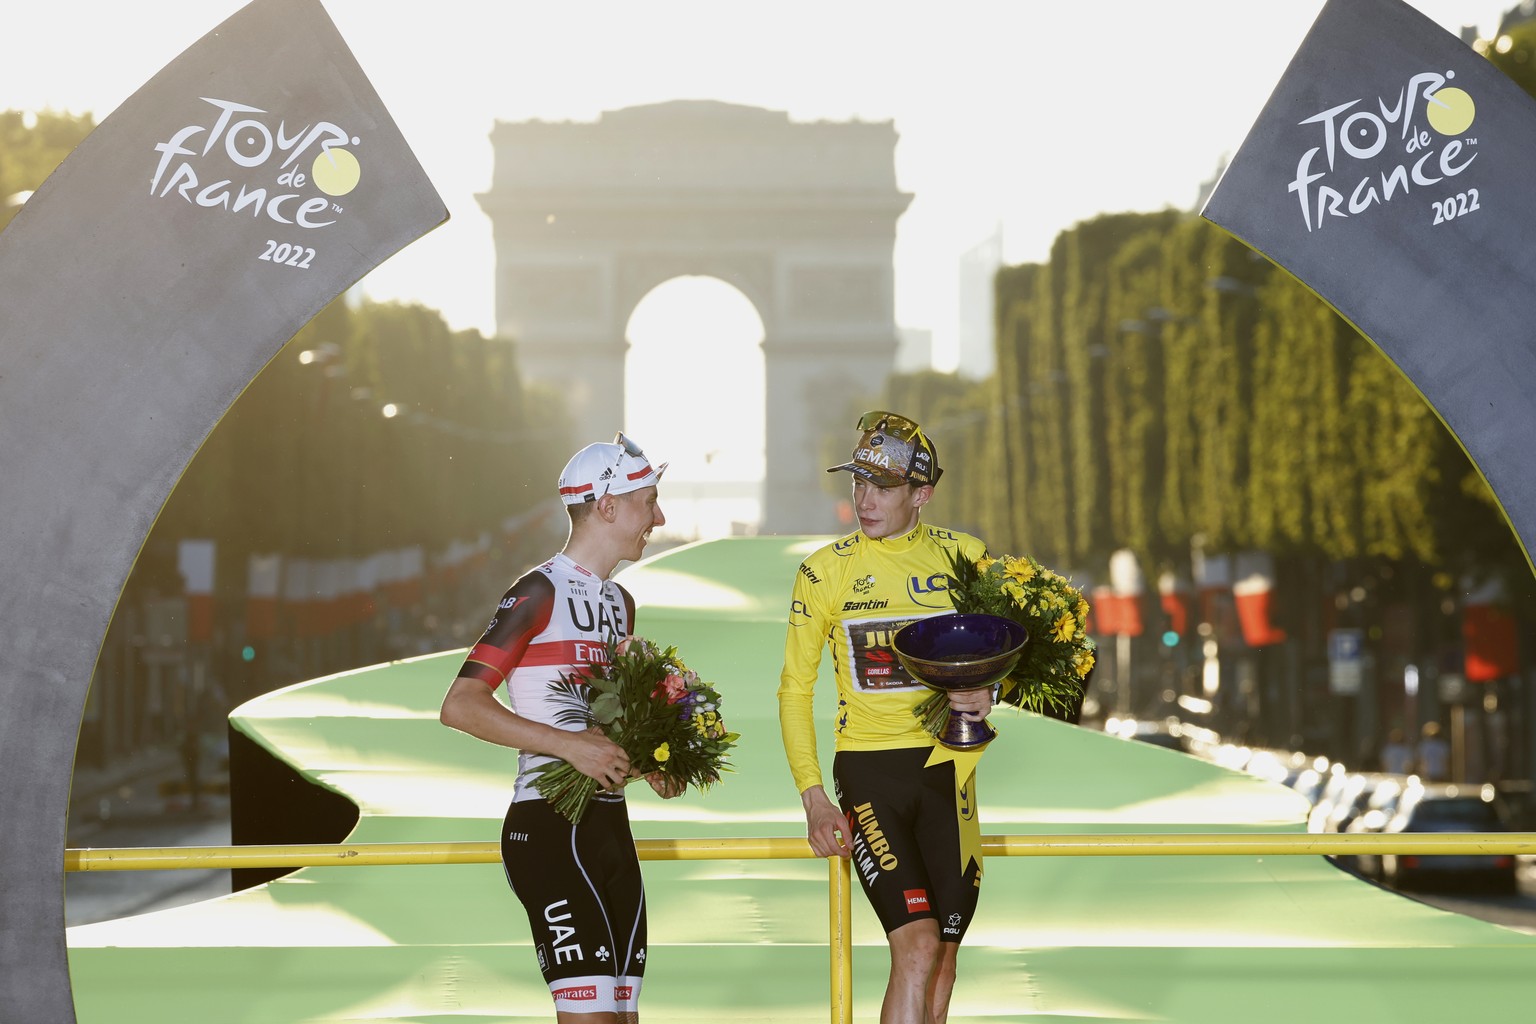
{"points": [[1127, 938]]}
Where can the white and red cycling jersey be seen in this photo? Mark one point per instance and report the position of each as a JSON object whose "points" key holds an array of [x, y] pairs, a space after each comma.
{"points": [[555, 620]]}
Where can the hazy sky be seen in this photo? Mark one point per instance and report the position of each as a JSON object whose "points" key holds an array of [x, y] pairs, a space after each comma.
{"points": [[1031, 115], [1027, 114]]}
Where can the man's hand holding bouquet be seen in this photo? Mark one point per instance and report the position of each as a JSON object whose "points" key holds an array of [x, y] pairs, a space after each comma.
{"points": [[660, 712]]}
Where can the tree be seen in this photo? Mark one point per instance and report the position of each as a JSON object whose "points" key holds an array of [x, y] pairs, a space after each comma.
{"points": [[31, 146]]}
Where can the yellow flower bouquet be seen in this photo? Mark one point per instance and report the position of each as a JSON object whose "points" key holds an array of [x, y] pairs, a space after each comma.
{"points": [[647, 701], [1052, 673]]}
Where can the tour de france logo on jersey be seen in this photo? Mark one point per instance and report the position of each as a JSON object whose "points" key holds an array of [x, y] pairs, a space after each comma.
{"points": [[245, 160], [1410, 141]]}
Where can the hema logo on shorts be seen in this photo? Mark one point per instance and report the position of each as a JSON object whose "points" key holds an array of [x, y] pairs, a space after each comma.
{"points": [[576, 992], [917, 900]]}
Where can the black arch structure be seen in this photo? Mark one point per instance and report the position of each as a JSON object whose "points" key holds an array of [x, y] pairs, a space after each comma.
{"points": [[140, 292], [1419, 230]]}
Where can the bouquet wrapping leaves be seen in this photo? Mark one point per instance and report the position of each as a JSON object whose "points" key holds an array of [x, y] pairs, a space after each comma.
{"points": [[1051, 675], [647, 701]]}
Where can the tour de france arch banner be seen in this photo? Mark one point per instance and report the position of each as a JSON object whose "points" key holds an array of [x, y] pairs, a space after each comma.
{"points": [[142, 287], [1391, 173]]}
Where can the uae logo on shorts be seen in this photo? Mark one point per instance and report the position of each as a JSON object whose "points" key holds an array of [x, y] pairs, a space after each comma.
{"points": [[917, 900]]}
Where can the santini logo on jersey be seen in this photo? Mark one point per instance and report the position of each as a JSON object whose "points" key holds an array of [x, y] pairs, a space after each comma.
{"points": [[864, 606]]}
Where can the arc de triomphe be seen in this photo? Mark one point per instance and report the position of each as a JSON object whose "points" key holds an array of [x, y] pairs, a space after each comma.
{"points": [[801, 217]]}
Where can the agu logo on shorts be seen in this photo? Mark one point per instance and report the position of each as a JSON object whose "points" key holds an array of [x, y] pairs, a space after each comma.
{"points": [[917, 900]]}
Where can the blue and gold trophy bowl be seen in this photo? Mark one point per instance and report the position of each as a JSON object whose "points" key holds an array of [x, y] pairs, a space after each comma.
{"points": [[964, 651]]}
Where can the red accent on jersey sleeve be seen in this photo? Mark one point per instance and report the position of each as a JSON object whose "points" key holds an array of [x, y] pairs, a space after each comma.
{"points": [[505, 643]]}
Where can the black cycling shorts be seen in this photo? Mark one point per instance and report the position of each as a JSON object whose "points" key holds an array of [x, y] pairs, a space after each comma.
{"points": [[906, 839], [581, 887]]}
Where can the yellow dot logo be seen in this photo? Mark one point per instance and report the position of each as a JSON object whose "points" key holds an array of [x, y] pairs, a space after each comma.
{"points": [[1450, 111], [335, 172]]}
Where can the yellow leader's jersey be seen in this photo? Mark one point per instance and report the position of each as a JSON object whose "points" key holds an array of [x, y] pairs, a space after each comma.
{"points": [[852, 596]]}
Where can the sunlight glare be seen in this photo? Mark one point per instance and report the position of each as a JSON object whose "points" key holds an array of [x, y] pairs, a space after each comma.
{"points": [[694, 386]]}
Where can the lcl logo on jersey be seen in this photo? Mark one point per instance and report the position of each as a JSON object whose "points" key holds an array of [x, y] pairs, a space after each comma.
{"points": [[931, 591]]}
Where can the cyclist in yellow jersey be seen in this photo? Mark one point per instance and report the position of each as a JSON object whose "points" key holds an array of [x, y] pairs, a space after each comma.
{"points": [[897, 818]]}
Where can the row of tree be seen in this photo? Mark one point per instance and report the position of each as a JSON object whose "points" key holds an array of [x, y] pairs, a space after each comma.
{"points": [[375, 429], [1163, 389], [1161, 385]]}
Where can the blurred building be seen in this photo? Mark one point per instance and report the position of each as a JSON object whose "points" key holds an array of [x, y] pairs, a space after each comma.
{"points": [[978, 271], [1520, 14], [589, 217], [914, 350]]}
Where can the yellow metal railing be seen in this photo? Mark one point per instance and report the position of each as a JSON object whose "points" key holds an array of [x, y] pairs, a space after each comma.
{"points": [[840, 909]]}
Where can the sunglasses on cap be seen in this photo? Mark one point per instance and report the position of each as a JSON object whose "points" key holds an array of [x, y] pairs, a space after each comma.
{"points": [[899, 428], [626, 447]]}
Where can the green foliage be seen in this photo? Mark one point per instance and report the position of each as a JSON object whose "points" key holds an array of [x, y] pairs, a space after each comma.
{"points": [[30, 148], [1059, 654], [1518, 58], [306, 464], [1158, 384], [644, 699]]}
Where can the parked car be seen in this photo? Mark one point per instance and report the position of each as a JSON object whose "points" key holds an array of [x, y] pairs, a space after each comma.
{"points": [[1334, 784], [1309, 782], [1352, 799], [1380, 804], [1448, 807]]}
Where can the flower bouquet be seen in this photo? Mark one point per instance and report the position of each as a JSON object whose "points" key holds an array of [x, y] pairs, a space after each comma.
{"points": [[647, 701], [1051, 675]]}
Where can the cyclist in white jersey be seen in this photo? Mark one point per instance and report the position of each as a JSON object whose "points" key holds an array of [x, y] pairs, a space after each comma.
{"points": [[579, 884]]}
